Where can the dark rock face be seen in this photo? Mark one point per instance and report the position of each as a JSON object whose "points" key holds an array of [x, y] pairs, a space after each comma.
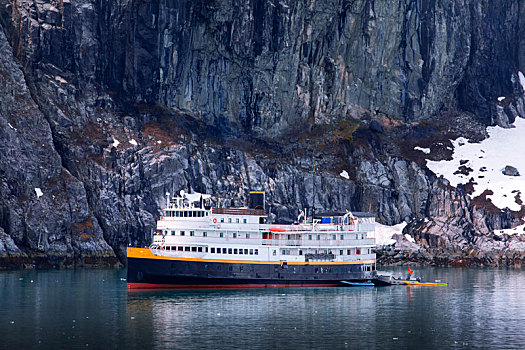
{"points": [[510, 171], [114, 103]]}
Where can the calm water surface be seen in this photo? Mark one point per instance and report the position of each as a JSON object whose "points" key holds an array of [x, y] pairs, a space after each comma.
{"points": [[481, 308]]}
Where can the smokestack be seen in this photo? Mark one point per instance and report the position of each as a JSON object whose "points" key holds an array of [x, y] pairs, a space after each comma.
{"points": [[256, 200]]}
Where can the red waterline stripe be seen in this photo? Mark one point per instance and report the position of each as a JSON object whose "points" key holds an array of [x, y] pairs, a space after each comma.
{"points": [[150, 286]]}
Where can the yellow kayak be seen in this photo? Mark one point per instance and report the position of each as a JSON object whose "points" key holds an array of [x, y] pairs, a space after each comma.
{"points": [[415, 283]]}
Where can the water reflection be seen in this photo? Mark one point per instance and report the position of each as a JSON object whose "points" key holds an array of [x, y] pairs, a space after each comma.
{"points": [[481, 308]]}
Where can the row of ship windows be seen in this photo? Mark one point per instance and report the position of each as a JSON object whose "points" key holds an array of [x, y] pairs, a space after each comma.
{"points": [[245, 251], [294, 269], [205, 234], [213, 250], [326, 251], [238, 235], [186, 214]]}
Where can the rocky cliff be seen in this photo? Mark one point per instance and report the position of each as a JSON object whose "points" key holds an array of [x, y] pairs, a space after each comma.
{"points": [[107, 105]]}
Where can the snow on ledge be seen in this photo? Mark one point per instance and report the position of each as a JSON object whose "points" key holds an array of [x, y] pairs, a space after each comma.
{"points": [[501, 98], [115, 143], [133, 142], [518, 230], [483, 162], [384, 233], [522, 80], [39, 192], [424, 150], [344, 174]]}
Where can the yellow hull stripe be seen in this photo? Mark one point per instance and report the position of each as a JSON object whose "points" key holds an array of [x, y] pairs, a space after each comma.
{"points": [[145, 253]]}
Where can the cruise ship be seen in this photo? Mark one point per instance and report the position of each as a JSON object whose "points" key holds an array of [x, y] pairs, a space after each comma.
{"points": [[199, 246]]}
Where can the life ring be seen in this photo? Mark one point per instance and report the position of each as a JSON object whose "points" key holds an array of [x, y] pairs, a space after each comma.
{"points": [[214, 220]]}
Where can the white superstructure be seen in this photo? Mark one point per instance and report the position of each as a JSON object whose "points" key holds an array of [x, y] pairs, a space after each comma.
{"points": [[190, 229]]}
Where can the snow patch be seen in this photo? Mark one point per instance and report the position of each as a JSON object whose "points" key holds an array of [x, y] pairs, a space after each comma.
{"points": [[115, 143], [410, 238], [501, 98], [159, 142], [384, 233], [12, 127], [344, 174], [424, 150], [39, 192], [518, 230], [484, 162], [133, 142], [522, 80], [196, 196], [60, 79]]}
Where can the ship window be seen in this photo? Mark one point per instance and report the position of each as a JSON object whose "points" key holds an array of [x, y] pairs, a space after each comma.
{"points": [[300, 252], [229, 219], [193, 249], [222, 219], [180, 249], [212, 250], [221, 234], [310, 237], [185, 214], [235, 251], [237, 220], [334, 237], [206, 267], [186, 249], [224, 250], [342, 236], [244, 220], [235, 235], [341, 252], [192, 233], [199, 249], [173, 233], [245, 251], [289, 236], [348, 252], [177, 213], [256, 251], [293, 269], [206, 214], [325, 251], [252, 269], [358, 251], [274, 252], [182, 233], [205, 234], [251, 251], [318, 237], [230, 268], [218, 267], [240, 251], [241, 268], [229, 250], [247, 235], [283, 252]]}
